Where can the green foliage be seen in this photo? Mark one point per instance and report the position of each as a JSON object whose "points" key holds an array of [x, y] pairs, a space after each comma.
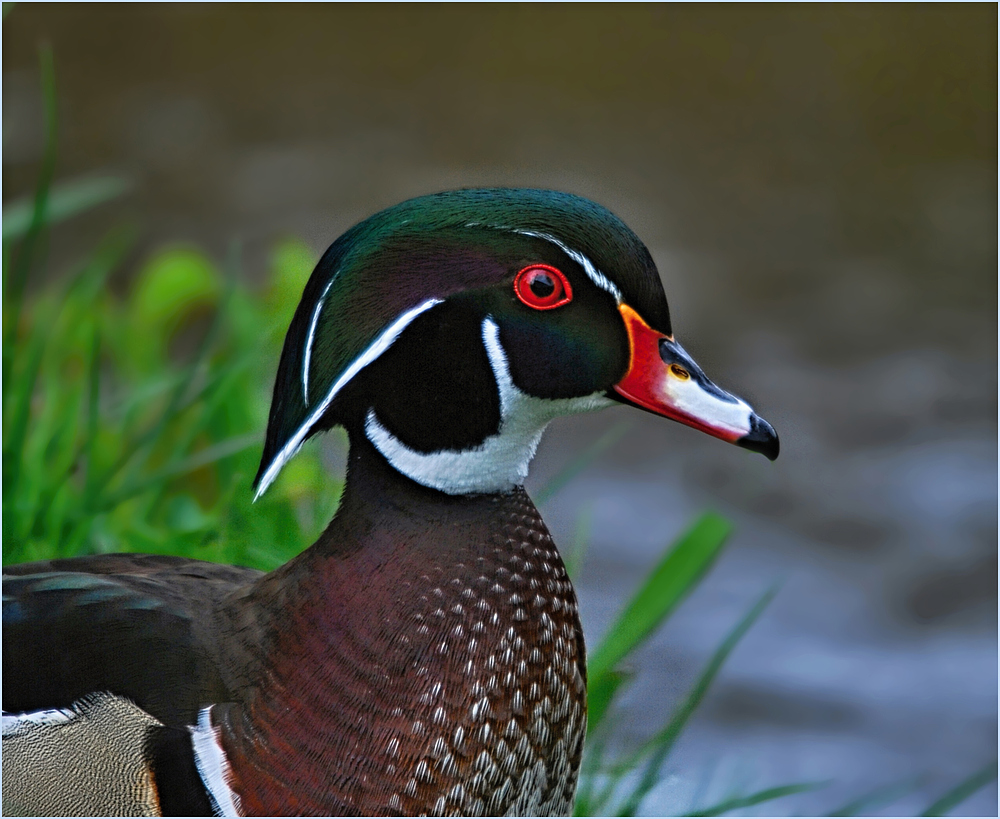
{"points": [[677, 573], [612, 789], [134, 423]]}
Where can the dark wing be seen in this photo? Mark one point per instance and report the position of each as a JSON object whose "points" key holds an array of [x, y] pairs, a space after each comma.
{"points": [[139, 626]]}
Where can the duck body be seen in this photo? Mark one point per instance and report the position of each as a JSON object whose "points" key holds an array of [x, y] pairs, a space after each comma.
{"points": [[425, 655], [377, 672]]}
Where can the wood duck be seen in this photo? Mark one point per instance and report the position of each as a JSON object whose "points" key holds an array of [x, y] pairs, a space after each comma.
{"points": [[425, 655]]}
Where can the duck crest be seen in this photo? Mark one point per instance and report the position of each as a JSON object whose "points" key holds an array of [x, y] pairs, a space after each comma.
{"points": [[414, 675]]}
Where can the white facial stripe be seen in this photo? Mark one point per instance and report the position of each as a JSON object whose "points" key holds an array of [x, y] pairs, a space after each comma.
{"points": [[213, 767], [307, 353], [592, 272], [375, 349], [501, 461], [692, 399], [588, 266]]}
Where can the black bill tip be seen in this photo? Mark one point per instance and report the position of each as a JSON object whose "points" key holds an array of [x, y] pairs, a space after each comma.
{"points": [[761, 438]]}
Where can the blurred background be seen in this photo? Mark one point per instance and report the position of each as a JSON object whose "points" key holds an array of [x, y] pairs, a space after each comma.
{"points": [[818, 186]]}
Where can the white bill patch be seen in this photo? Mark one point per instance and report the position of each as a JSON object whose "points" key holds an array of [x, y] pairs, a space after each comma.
{"points": [[690, 398], [501, 461], [375, 349], [213, 767]]}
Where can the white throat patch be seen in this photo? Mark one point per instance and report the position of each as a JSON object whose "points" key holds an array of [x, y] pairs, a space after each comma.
{"points": [[501, 461]]}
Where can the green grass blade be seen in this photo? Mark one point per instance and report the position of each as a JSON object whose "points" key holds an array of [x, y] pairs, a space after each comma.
{"points": [[93, 418], [877, 798], [181, 398], [582, 461], [49, 463], [704, 782], [184, 393], [767, 795], [604, 796], [963, 790], [76, 303], [593, 756], [601, 692], [581, 536], [207, 456], [213, 401], [677, 573], [89, 282], [65, 200], [660, 745], [16, 433]]}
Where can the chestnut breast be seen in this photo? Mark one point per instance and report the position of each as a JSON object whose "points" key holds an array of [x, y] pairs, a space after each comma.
{"points": [[440, 674]]}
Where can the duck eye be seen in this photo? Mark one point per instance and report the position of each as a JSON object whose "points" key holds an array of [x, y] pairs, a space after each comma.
{"points": [[542, 287]]}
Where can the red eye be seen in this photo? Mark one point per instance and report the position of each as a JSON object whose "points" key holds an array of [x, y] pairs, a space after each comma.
{"points": [[542, 287]]}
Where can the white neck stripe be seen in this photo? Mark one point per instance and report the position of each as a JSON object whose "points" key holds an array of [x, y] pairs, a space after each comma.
{"points": [[307, 353], [375, 349], [213, 767]]}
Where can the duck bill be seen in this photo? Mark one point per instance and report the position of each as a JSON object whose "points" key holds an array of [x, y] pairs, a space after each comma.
{"points": [[662, 378]]}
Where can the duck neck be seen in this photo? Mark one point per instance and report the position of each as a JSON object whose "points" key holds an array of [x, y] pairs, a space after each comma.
{"points": [[428, 651]]}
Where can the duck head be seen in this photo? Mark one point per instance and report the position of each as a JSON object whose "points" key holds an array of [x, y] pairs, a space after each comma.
{"points": [[450, 329]]}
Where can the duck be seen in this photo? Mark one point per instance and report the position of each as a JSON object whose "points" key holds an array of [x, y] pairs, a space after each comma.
{"points": [[425, 655]]}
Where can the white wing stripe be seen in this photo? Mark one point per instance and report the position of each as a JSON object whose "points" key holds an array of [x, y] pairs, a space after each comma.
{"points": [[213, 767], [14, 724]]}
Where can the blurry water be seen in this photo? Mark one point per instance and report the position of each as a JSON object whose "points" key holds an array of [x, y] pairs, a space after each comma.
{"points": [[818, 187]]}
